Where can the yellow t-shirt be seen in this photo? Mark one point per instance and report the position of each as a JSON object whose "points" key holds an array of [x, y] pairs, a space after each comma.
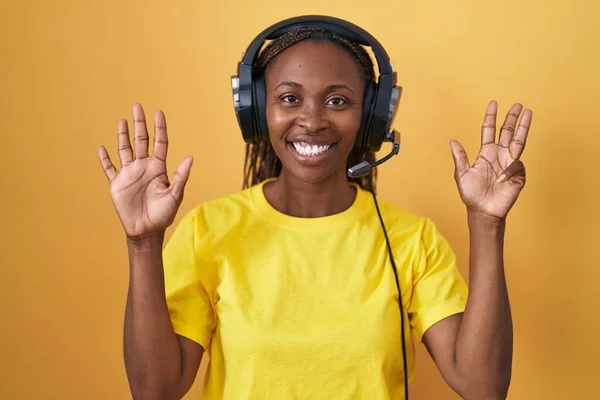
{"points": [[306, 308]]}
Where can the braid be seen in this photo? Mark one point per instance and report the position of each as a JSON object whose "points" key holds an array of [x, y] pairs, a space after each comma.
{"points": [[261, 162]]}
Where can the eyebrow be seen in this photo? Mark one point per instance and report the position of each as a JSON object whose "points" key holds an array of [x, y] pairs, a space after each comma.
{"points": [[299, 86]]}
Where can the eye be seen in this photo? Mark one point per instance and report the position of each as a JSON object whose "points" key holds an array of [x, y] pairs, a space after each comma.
{"points": [[290, 99], [336, 101]]}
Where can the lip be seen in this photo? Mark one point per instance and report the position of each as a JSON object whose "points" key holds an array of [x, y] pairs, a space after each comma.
{"points": [[311, 160]]}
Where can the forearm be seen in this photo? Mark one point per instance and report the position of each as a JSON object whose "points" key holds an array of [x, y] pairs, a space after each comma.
{"points": [[151, 350], [483, 351]]}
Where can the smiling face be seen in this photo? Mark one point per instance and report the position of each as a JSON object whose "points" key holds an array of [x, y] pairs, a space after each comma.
{"points": [[314, 109]]}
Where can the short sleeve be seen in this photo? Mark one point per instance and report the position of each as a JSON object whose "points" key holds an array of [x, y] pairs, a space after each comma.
{"points": [[187, 284], [439, 290]]}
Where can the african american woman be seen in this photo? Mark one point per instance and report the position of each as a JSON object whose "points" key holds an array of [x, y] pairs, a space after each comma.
{"points": [[287, 282]]}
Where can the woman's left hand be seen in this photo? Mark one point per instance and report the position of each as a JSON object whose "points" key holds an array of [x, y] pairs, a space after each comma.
{"points": [[492, 184]]}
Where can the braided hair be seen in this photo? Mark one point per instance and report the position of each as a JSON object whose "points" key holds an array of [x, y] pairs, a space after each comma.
{"points": [[261, 162]]}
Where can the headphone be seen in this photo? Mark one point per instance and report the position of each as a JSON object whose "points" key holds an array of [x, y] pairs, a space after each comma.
{"points": [[380, 99], [379, 110]]}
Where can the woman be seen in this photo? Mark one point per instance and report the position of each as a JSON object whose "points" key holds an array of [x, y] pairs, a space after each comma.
{"points": [[287, 283]]}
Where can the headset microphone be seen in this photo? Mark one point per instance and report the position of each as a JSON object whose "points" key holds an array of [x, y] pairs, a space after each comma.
{"points": [[365, 167]]}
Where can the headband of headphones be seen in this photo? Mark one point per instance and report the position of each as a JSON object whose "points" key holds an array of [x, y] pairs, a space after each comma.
{"points": [[338, 26], [380, 100]]}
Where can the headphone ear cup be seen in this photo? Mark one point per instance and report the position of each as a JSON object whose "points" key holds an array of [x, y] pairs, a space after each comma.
{"points": [[261, 130], [364, 133]]}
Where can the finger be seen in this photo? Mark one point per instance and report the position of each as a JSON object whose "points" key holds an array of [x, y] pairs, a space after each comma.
{"points": [[488, 129], [161, 141], [182, 173], [516, 168], [508, 127], [140, 131], [517, 144], [461, 160], [107, 165], [125, 150]]}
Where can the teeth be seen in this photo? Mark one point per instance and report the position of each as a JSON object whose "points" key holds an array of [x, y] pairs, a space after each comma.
{"points": [[308, 150]]}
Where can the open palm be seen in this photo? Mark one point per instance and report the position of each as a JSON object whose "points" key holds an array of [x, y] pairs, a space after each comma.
{"points": [[492, 184], [144, 199]]}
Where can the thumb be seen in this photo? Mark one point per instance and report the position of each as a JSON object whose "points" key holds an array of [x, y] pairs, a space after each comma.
{"points": [[461, 161], [182, 173]]}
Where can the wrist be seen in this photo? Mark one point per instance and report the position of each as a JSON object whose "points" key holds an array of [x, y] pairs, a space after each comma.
{"points": [[151, 241], [485, 222]]}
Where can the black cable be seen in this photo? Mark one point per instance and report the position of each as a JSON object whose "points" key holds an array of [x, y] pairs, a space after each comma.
{"points": [[389, 247]]}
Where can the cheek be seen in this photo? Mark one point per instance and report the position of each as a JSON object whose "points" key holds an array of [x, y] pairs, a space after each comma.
{"points": [[348, 123], [278, 121]]}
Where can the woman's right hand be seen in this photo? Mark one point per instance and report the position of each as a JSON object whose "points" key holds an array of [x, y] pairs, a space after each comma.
{"points": [[144, 199]]}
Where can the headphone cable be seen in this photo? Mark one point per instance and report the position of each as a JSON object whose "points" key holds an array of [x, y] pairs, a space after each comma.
{"points": [[389, 248]]}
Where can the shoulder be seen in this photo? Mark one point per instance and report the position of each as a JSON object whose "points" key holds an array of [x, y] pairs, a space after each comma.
{"points": [[407, 226], [228, 205], [213, 218], [398, 218]]}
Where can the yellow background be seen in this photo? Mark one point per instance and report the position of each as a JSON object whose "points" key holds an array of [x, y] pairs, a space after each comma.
{"points": [[70, 69]]}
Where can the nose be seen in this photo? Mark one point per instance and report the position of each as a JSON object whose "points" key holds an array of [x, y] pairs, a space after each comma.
{"points": [[313, 117]]}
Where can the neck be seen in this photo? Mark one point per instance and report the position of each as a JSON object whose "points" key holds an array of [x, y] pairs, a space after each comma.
{"points": [[292, 196]]}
